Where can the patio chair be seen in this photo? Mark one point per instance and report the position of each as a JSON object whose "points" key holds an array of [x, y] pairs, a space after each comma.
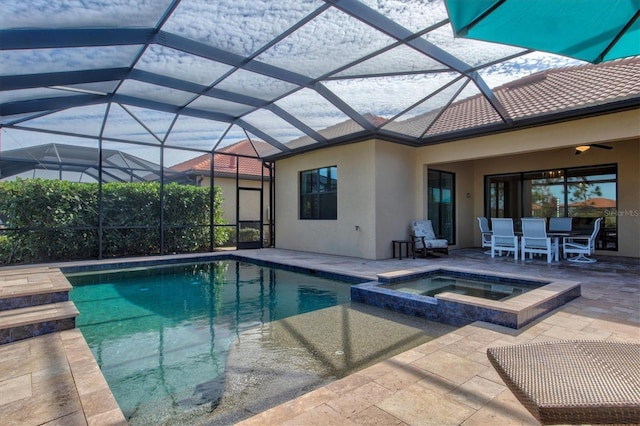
{"points": [[560, 224], [535, 240], [503, 238], [425, 239], [581, 245], [485, 233]]}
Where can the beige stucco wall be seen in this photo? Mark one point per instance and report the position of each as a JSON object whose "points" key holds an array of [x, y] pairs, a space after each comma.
{"points": [[374, 195], [382, 186], [393, 194], [251, 202]]}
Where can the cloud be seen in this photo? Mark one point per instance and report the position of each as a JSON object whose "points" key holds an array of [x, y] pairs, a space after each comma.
{"points": [[329, 41], [81, 13], [174, 63], [522, 66], [238, 26], [256, 85], [414, 15], [312, 109], [34, 61]]}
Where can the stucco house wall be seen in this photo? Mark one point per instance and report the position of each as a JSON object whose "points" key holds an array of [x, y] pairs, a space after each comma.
{"points": [[375, 203], [394, 180], [382, 186], [250, 204], [356, 203]]}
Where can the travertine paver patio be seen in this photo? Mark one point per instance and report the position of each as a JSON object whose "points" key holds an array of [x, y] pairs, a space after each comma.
{"points": [[54, 380]]}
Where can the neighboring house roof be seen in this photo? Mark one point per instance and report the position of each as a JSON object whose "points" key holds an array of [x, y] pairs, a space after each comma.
{"points": [[229, 159], [596, 202]]}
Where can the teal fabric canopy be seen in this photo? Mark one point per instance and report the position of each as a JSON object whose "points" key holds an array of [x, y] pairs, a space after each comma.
{"points": [[589, 30]]}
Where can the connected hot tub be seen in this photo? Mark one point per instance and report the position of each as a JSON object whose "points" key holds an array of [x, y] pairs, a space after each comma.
{"points": [[458, 297]]}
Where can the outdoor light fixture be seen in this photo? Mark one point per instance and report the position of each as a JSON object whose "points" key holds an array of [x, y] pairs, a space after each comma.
{"points": [[582, 148]]}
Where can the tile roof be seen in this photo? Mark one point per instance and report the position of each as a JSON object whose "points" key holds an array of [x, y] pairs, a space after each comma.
{"points": [[545, 92], [227, 164], [596, 202]]}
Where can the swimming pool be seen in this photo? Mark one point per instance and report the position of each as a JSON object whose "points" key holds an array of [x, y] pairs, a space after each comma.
{"points": [[161, 335]]}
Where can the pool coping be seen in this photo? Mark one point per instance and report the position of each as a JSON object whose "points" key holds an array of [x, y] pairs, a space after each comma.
{"points": [[114, 266], [459, 309]]}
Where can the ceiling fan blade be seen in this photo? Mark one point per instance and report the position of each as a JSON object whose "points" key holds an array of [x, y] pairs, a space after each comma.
{"points": [[601, 146]]}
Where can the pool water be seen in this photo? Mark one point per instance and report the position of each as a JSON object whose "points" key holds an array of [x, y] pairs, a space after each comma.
{"points": [[161, 335], [433, 285]]}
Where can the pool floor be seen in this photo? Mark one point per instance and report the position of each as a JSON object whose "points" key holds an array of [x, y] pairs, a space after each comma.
{"points": [[276, 362], [161, 335]]}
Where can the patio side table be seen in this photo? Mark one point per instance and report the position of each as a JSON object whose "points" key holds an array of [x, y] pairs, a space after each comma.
{"points": [[407, 244], [573, 382]]}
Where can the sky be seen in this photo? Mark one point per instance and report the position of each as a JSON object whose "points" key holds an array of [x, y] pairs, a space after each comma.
{"points": [[330, 40]]}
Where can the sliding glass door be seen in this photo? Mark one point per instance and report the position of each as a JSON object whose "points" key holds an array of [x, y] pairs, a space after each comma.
{"points": [[582, 193]]}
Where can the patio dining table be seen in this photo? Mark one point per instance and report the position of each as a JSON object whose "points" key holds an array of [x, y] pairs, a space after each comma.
{"points": [[555, 236], [556, 239], [573, 382]]}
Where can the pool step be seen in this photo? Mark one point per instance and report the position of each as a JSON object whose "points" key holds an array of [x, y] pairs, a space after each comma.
{"points": [[33, 302], [22, 323], [32, 286]]}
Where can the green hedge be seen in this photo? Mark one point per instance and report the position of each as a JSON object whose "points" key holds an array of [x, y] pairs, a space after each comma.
{"points": [[59, 220]]}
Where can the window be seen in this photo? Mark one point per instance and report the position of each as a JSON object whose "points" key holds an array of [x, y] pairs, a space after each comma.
{"points": [[319, 193], [441, 187]]}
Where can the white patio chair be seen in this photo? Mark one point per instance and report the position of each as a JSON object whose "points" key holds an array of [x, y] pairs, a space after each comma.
{"points": [[485, 233], [560, 224], [425, 239], [581, 245], [535, 240], [503, 237]]}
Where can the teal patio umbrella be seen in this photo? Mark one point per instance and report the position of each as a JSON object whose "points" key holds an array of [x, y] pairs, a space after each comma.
{"points": [[589, 30]]}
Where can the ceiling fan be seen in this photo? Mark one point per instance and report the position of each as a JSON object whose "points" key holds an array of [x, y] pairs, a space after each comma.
{"points": [[582, 148]]}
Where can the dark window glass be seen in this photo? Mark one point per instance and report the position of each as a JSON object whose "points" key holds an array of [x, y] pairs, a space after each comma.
{"points": [[441, 212], [319, 193]]}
